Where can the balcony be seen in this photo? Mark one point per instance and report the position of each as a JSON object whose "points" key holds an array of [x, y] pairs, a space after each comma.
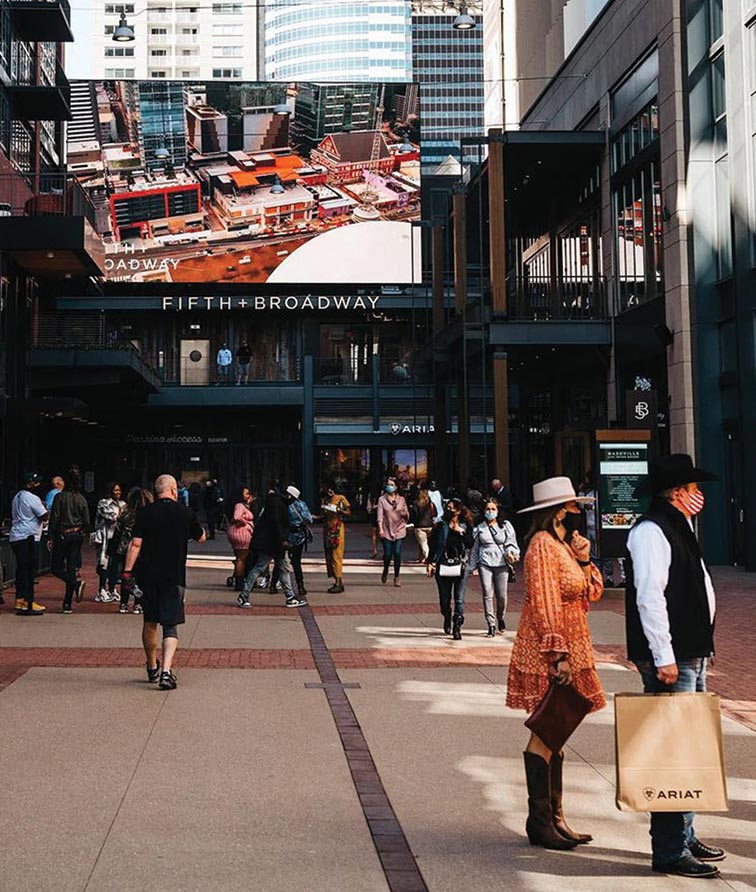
{"points": [[43, 20], [47, 223], [93, 354], [49, 100], [543, 300]]}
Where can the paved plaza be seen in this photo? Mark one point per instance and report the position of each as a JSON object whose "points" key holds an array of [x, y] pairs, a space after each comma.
{"points": [[348, 746]]}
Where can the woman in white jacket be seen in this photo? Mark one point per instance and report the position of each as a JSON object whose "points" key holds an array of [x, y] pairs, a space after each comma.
{"points": [[494, 550], [108, 563]]}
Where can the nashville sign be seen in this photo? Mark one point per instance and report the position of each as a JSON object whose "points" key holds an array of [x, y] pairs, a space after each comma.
{"points": [[260, 302]]}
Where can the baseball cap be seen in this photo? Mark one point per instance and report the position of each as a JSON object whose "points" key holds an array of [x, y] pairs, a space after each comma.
{"points": [[32, 477]]}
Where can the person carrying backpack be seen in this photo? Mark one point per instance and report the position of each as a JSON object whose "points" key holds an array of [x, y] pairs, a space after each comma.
{"points": [[300, 534]]}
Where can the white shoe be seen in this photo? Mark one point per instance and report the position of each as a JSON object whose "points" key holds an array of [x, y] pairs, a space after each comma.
{"points": [[104, 597]]}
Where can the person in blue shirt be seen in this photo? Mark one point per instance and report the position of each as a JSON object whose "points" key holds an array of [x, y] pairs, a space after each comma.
{"points": [[28, 515], [57, 486], [300, 519]]}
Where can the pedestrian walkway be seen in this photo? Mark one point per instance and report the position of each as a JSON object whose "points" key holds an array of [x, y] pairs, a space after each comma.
{"points": [[347, 746]]}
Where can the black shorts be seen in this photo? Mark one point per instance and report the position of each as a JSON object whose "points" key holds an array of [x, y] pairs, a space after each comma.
{"points": [[163, 602]]}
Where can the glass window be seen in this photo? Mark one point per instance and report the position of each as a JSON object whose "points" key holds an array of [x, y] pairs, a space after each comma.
{"points": [[716, 20], [723, 218]]}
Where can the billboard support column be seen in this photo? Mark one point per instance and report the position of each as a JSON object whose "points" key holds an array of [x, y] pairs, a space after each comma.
{"points": [[501, 416], [308, 433]]}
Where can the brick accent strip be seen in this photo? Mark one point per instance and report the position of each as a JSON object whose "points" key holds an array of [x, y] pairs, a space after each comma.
{"points": [[397, 860]]}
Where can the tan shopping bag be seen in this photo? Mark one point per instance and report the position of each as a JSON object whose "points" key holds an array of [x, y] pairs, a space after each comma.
{"points": [[669, 753]]}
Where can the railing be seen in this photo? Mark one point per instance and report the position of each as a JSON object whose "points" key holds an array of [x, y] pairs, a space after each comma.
{"points": [[404, 373], [80, 331], [339, 372], [43, 4], [546, 299], [44, 195]]}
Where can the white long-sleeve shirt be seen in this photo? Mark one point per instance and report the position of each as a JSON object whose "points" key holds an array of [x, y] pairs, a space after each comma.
{"points": [[652, 558]]}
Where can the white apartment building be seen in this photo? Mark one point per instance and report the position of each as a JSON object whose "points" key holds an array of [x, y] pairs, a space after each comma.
{"points": [[175, 40]]}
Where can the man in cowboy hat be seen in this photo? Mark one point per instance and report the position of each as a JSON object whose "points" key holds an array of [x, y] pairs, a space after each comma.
{"points": [[669, 617]]}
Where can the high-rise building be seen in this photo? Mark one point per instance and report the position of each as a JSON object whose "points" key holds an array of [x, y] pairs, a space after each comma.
{"points": [[181, 40], [333, 108], [156, 122], [335, 40], [448, 65]]}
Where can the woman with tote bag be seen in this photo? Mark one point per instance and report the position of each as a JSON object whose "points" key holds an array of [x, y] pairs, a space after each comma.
{"points": [[448, 553]]}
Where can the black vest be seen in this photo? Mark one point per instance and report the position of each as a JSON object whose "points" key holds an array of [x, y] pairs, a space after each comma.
{"points": [[687, 601]]}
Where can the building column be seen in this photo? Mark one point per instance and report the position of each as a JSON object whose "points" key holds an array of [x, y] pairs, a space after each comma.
{"points": [[460, 305], [440, 415], [308, 432], [499, 305]]}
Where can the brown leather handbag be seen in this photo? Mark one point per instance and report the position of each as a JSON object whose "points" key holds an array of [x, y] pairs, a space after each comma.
{"points": [[560, 711]]}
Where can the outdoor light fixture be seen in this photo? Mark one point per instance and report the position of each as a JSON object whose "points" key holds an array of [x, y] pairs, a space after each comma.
{"points": [[277, 188], [124, 33], [162, 152], [464, 21], [281, 109]]}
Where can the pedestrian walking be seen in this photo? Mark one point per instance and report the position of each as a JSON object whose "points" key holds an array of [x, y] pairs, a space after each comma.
{"points": [[223, 363], [69, 524], [28, 514], [371, 507], [243, 359], [239, 533], [335, 509], [212, 502], [670, 605], [448, 553], [300, 534], [57, 487], [494, 551], [270, 541], [136, 499], [108, 509], [421, 515], [502, 495], [553, 644], [159, 545], [437, 500], [393, 515]]}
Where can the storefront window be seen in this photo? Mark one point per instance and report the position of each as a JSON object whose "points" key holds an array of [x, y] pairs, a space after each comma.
{"points": [[409, 466], [348, 471]]}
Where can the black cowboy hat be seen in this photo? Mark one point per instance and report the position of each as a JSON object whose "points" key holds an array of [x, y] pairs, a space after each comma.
{"points": [[670, 471]]}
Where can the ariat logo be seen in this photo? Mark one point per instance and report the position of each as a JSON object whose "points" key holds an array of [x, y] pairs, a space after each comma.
{"points": [[651, 794], [395, 428]]}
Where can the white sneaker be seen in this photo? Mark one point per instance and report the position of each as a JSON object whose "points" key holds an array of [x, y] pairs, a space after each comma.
{"points": [[104, 597]]}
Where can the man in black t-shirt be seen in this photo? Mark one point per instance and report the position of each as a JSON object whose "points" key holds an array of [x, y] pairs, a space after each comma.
{"points": [[161, 533]]}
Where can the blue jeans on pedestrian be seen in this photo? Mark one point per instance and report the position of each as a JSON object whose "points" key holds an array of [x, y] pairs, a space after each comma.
{"points": [[282, 565], [672, 833], [392, 550]]}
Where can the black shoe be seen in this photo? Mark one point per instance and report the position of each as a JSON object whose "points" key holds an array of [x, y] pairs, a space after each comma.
{"points": [[167, 681], [447, 624], [502, 625], [687, 866], [384, 576], [66, 609], [491, 632], [153, 674], [706, 853], [457, 627]]}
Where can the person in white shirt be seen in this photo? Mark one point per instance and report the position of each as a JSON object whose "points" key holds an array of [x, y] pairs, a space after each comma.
{"points": [[669, 614], [28, 514], [437, 501], [223, 360]]}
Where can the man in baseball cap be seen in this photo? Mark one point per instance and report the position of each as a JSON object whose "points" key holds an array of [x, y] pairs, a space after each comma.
{"points": [[669, 616]]}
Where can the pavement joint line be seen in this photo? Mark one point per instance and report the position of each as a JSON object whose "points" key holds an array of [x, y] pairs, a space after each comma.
{"points": [[138, 762], [397, 860]]}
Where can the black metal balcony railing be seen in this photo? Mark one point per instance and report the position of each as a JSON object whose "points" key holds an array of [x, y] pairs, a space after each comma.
{"points": [[43, 195], [43, 20], [340, 372], [51, 331], [545, 299]]}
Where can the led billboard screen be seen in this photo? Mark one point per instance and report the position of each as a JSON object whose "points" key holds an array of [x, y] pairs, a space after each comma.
{"points": [[238, 183]]}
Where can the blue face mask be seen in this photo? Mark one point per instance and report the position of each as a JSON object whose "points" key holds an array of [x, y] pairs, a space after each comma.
{"points": [[390, 489], [491, 515]]}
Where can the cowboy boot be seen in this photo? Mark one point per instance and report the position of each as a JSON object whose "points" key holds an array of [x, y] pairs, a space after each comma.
{"points": [[447, 623], [457, 627], [557, 761], [540, 824]]}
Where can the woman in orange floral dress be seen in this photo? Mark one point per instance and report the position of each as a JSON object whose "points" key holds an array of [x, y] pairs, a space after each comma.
{"points": [[553, 643]]}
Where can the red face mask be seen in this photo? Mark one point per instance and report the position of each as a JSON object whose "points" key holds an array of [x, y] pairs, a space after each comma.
{"points": [[691, 502]]}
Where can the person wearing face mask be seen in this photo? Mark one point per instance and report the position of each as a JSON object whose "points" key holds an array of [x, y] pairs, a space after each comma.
{"points": [[495, 550], [669, 617], [393, 515], [448, 553], [553, 643]]}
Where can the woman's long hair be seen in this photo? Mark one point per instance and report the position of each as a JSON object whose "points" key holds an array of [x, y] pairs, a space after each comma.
{"points": [[423, 499], [464, 512], [543, 520], [237, 496], [137, 498]]}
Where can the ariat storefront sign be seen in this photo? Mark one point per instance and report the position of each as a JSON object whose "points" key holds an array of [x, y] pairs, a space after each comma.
{"points": [[273, 302], [397, 428]]}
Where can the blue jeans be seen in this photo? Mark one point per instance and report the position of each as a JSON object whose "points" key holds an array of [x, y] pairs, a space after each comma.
{"points": [[282, 566], [672, 833], [448, 586], [392, 550]]}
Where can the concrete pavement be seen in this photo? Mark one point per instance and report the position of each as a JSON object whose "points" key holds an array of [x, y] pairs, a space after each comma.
{"points": [[262, 772]]}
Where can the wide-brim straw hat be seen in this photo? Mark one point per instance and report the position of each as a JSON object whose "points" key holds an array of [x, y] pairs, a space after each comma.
{"points": [[554, 491], [293, 492]]}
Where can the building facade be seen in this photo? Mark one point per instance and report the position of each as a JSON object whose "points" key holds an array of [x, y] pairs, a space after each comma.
{"points": [[354, 40], [448, 65], [173, 41]]}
